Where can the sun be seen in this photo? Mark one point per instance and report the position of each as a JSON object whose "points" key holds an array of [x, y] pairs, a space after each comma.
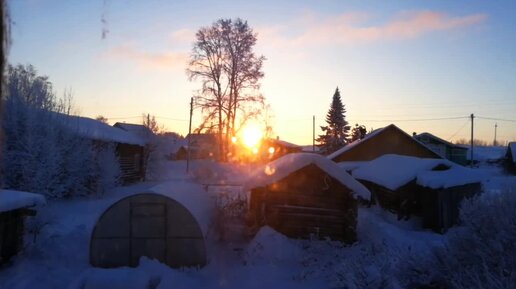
{"points": [[251, 136]]}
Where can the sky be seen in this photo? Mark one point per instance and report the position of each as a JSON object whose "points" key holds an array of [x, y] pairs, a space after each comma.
{"points": [[425, 66]]}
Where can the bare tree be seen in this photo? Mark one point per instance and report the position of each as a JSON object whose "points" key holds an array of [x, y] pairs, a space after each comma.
{"points": [[223, 60], [101, 118], [149, 121]]}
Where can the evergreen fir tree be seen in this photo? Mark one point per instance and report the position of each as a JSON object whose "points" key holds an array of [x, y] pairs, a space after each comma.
{"points": [[336, 133]]}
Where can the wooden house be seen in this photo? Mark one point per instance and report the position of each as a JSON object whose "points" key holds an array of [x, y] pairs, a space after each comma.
{"points": [[387, 140], [429, 188], [448, 150], [14, 206], [303, 195], [510, 158], [272, 149], [130, 148], [200, 146]]}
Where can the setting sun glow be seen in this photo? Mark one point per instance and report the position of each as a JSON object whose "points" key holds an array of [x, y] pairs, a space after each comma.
{"points": [[251, 136]]}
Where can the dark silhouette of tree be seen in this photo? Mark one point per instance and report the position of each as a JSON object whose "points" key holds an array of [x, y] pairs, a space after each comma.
{"points": [[358, 132], [223, 60], [336, 133], [102, 118]]}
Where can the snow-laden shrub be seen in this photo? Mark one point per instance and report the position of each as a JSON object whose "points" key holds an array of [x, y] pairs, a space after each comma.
{"points": [[370, 265], [480, 253], [271, 248], [39, 154], [107, 168]]}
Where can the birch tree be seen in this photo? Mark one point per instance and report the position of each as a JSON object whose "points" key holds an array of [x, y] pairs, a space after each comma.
{"points": [[223, 60]]}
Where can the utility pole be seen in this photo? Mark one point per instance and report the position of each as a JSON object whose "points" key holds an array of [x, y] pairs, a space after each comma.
{"points": [[313, 134], [494, 143], [189, 137], [471, 159]]}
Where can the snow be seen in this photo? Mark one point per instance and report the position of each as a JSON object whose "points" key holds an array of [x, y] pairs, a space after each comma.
{"points": [[486, 153], [284, 166], [193, 196], [12, 200], [97, 130], [394, 171], [350, 166], [136, 129], [455, 176], [119, 278], [60, 256]]}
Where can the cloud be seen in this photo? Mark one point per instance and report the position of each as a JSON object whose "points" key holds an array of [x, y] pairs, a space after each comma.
{"points": [[353, 28], [182, 36], [149, 60]]}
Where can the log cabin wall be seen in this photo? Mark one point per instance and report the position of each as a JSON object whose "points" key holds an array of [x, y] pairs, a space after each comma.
{"points": [[132, 165], [306, 203]]}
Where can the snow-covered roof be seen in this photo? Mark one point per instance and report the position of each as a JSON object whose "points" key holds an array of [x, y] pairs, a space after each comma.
{"points": [[310, 148], [455, 176], [97, 130], [284, 166], [358, 141], [486, 153], [394, 171], [284, 143], [200, 203], [12, 200], [436, 138], [136, 129], [351, 165]]}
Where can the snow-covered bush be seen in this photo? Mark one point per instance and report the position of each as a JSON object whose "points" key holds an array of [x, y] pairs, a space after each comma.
{"points": [[107, 168], [370, 265], [229, 221], [480, 253], [39, 154]]}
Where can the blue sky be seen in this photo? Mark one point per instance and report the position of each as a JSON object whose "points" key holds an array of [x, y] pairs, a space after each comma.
{"points": [[394, 61]]}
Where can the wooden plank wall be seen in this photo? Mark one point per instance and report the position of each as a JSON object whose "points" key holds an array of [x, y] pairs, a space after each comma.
{"points": [[306, 204]]}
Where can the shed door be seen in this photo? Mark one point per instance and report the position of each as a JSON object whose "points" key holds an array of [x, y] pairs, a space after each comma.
{"points": [[148, 231]]}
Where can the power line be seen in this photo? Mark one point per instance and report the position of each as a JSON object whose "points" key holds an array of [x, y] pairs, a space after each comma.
{"points": [[465, 123], [418, 119], [499, 119], [124, 117], [171, 118]]}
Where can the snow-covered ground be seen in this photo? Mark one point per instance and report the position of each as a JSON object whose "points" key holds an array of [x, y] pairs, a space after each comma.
{"points": [[58, 256]]}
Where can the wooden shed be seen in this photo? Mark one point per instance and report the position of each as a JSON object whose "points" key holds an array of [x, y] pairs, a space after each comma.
{"points": [[130, 148], [387, 140], [446, 149], [428, 188], [14, 206], [303, 195], [510, 158]]}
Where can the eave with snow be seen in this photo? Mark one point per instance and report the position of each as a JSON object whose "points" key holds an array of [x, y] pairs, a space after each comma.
{"points": [[14, 206], [429, 188]]}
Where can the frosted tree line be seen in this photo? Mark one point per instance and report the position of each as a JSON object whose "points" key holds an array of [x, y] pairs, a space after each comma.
{"points": [[39, 154]]}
